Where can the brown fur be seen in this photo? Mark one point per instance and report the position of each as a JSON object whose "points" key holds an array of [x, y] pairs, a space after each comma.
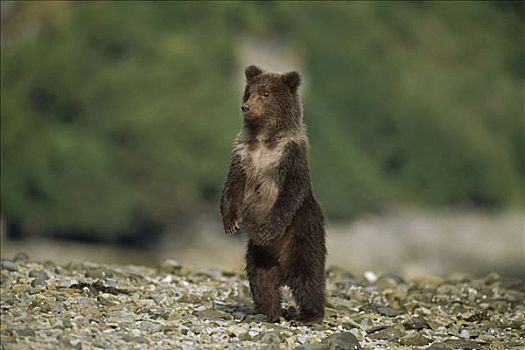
{"points": [[268, 194]]}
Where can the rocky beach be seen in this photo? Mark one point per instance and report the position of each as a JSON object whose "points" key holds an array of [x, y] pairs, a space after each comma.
{"points": [[82, 305]]}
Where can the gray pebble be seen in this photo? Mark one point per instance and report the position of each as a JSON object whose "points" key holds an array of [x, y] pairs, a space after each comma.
{"points": [[9, 265]]}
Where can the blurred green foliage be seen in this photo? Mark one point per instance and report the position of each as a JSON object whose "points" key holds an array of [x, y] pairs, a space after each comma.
{"points": [[116, 115]]}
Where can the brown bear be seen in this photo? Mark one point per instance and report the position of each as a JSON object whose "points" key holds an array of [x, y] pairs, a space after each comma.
{"points": [[268, 194]]}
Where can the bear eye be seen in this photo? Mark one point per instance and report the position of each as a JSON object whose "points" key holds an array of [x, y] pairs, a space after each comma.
{"points": [[266, 94], [246, 94]]}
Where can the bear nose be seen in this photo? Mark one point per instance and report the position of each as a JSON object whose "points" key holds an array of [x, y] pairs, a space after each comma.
{"points": [[245, 107]]}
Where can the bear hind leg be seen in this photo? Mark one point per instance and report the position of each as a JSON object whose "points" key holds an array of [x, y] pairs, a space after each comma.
{"points": [[264, 277], [309, 296]]}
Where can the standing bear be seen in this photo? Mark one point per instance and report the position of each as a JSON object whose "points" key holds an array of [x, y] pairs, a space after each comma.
{"points": [[268, 194]]}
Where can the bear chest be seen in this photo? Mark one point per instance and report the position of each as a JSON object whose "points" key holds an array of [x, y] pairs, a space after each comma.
{"points": [[260, 159], [260, 164]]}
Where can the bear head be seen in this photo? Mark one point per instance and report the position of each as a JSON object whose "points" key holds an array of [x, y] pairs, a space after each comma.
{"points": [[271, 97]]}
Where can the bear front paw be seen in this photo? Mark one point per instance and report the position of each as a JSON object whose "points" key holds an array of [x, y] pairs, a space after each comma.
{"points": [[232, 229], [230, 226]]}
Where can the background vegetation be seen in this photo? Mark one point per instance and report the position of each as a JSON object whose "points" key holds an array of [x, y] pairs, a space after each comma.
{"points": [[117, 118]]}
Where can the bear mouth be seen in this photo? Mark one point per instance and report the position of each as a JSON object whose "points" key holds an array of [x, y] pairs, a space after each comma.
{"points": [[249, 115]]}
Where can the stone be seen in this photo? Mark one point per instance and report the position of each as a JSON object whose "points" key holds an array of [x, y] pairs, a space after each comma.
{"points": [[98, 273], [389, 280], [270, 337], [254, 318], [342, 341], [25, 332], [21, 256], [236, 330], [313, 347], [8, 265], [389, 333], [107, 299], [190, 299], [414, 339], [438, 346], [213, 314], [428, 280], [40, 279], [170, 266], [415, 322], [388, 311], [343, 278], [463, 344], [370, 276], [457, 344]]}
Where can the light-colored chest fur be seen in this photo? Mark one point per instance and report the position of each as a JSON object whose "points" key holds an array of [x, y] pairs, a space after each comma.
{"points": [[259, 163], [260, 158]]}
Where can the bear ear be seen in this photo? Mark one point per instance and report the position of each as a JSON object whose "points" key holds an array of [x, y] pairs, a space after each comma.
{"points": [[252, 71], [292, 80]]}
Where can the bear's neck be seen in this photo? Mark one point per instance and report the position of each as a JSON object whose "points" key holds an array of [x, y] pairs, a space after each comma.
{"points": [[271, 128]]}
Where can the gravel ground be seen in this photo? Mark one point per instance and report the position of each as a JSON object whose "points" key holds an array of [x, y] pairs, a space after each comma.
{"points": [[83, 305]]}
